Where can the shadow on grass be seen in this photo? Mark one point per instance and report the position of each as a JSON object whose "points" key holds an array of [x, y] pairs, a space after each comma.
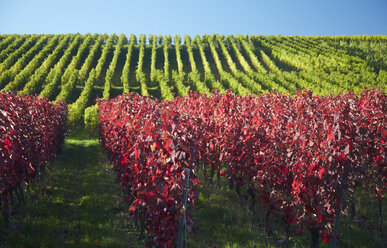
{"points": [[78, 204], [224, 220]]}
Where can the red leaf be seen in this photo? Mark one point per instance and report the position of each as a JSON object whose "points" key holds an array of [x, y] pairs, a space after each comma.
{"points": [[164, 193], [320, 172], [325, 237], [167, 144], [330, 136]]}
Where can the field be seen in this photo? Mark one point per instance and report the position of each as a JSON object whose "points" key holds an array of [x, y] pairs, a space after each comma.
{"points": [[60, 67], [238, 135]]}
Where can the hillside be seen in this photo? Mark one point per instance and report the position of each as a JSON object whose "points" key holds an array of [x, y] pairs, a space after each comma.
{"points": [[259, 164], [78, 68]]}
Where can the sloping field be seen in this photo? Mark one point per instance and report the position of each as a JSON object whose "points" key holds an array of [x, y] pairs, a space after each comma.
{"points": [[78, 68]]}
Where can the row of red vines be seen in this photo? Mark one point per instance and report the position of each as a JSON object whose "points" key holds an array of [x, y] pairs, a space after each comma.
{"points": [[32, 132], [300, 156], [150, 145]]}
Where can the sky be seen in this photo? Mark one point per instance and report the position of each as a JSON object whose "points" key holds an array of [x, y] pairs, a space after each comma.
{"points": [[170, 17]]}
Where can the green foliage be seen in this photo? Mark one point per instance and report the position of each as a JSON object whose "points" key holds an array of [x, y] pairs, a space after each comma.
{"points": [[187, 42], [60, 67], [112, 66], [7, 41], [90, 59], [166, 91], [40, 74], [5, 78], [242, 77], [225, 77], [77, 108], [102, 60], [91, 118], [194, 75], [198, 85], [140, 75], [26, 56], [153, 40], [27, 71], [179, 76], [76, 59], [160, 39], [68, 87], [50, 88], [179, 79], [10, 48], [126, 69], [382, 79]]}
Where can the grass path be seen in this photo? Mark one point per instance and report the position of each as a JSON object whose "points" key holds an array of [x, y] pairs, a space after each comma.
{"points": [[78, 204]]}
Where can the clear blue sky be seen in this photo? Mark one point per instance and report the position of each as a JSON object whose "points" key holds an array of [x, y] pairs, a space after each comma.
{"points": [[286, 17]]}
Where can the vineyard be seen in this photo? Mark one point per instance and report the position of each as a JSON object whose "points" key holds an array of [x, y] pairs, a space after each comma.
{"points": [[295, 126], [79, 68]]}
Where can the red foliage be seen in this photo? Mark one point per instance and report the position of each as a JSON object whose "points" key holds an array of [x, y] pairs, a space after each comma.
{"points": [[325, 237], [32, 131], [302, 155], [150, 145]]}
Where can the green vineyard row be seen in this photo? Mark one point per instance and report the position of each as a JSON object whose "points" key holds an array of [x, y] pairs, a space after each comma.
{"points": [[79, 68]]}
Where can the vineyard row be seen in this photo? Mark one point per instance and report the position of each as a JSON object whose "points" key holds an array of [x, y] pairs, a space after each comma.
{"points": [[301, 158]]}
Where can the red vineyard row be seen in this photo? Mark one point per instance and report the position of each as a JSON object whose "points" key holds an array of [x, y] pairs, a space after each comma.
{"points": [[32, 132], [300, 156]]}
